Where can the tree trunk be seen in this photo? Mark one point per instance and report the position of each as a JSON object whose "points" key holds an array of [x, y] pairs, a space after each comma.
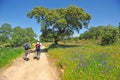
{"points": [[56, 42]]}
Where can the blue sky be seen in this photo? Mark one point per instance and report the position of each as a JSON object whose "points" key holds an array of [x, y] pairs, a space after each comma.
{"points": [[103, 12]]}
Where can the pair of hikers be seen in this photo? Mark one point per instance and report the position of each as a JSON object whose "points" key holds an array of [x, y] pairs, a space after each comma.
{"points": [[27, 50]]}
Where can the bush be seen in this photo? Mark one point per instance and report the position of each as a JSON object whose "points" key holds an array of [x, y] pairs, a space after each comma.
{"points": [[108, 39], [110, 36]]}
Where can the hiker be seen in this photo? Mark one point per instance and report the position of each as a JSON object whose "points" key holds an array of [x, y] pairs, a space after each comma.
{"points": [[27, 51], [38, 50]]}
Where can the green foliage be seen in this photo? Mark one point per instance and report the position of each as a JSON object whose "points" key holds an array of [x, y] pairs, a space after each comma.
{"points": [[110, 36], [57, 24], [105, 34], [7, 55], [119, 29], [20, 36], [5, 32], [89, 61], [16, 36]]}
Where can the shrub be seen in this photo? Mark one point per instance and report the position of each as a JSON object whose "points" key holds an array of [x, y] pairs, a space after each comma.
{"points": [[110, 36]]}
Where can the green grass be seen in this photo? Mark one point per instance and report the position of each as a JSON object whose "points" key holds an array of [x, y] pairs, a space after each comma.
{"points": [[8, 54], [88, 61]]}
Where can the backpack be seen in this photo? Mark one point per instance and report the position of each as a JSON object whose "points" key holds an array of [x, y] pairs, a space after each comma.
{"points": [[27, 46], [37, 47]]}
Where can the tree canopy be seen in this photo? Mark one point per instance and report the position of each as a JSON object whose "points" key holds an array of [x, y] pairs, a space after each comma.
{"points": [[16, 36], [20, 36], [105, 34], [5, 32], [57, 24]]}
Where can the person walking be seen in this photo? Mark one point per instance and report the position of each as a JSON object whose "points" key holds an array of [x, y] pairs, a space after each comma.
{"points": [[27, 50], [38, 50]]}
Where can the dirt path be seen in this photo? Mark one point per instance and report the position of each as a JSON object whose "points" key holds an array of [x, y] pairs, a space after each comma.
{"points": [[30, 70]]}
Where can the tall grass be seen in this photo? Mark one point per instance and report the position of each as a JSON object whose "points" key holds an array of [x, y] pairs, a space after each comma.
{"points": [[88, 62], [8, 54]]}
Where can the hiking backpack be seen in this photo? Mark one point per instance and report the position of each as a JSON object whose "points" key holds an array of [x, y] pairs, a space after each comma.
{"points": [[27, 46], [37, 47]]}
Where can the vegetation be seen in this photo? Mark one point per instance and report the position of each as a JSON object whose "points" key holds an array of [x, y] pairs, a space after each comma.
{"points": [[88, 60], [15, 36], [20, 36], [119, 29], [11, 40], [8, 54], [80, 59], [59, 24], [5, 32], [105, 34]]}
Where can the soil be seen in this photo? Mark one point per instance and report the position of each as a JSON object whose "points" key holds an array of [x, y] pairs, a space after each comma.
{"points": [[30, 70]]}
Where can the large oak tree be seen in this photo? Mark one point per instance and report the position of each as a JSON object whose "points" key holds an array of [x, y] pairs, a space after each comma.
{"points": [[59, 23]]}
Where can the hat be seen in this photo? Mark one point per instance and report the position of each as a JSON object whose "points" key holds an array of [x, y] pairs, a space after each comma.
{"points": [[38, 42]]}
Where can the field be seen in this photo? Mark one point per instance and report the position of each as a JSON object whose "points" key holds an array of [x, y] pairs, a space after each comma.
{"points": [[87, 60]]}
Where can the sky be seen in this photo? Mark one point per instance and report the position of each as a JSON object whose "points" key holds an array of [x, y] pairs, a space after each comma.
{"points": [[103, 12]]}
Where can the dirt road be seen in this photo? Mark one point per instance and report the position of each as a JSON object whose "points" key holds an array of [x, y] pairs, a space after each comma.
{"points": [[30, 70]]}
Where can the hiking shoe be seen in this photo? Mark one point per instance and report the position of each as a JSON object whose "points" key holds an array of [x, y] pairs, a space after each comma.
{"points": [[24, 58], [38, 58], [27, 59], [34, 57]]}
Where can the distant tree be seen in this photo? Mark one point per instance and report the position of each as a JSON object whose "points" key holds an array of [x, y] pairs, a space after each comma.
{"points": [[20, 36], [119, 26], [5, 32], [119, 29], [85, 36], [105, 34], [93, 33], [17, 37], [60, 23], [110, 36], [29, 34]]}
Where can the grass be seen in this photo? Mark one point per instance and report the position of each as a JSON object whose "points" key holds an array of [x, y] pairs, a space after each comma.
{"points": [[8, 54], [88, 61]]}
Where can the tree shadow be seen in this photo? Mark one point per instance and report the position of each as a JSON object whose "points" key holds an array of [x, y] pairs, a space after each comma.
{"points": [[52, 46], [44, 50]]}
